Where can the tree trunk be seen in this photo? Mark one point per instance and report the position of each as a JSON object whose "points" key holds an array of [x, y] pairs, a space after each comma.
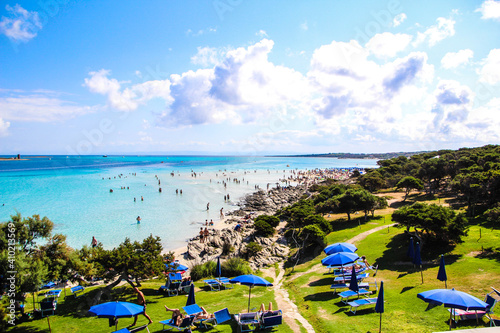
{"points": [[348, 217], [106, 290]]}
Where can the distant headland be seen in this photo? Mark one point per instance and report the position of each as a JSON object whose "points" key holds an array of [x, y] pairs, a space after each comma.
{"points": [[380, 156]]}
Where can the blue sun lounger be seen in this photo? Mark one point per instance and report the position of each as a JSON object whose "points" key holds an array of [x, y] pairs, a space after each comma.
{"points": [[270, 320], [247, 322], [347, 278], [336, 286], [345, 295], [224, 282], [355, 304], [75, 290], [184, 326], [213, 284], [132, 330]]}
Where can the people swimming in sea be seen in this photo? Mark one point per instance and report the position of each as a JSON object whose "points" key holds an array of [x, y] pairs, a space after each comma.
{"points": [[221, 213], [208, 206], [138, 219]]}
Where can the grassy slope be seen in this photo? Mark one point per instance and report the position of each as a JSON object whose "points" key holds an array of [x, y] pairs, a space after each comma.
{"points": [[404, 312]]}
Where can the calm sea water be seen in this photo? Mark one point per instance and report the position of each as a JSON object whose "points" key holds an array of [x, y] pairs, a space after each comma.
{"points": [[74, 192]]}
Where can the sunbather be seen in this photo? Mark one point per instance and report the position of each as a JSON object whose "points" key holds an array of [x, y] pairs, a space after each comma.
{"points": [[263, 308], [176, 316], [204, 314]]}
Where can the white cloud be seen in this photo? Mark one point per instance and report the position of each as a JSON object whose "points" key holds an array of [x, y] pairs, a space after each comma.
{"points": [[21, 25], [127, 99], [398, 19], [243, 87], [208, 56], [200, 32], [261, 34], [387, 44], [443, 29], [39, 107], [490, 9], [4, 126], [304, 26], [490, 72], [455, 59]]}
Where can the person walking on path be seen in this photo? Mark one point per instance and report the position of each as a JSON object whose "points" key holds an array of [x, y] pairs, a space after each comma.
{"points": [[141, 300]]}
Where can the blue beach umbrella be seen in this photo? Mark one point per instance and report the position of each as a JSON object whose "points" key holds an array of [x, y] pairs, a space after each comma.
{"points": [[379, 306], [454, 299], [191, 299], [417, 260], [340, 259], [411, 252], [115, 310], [251, 280], [353, 284], [218, 270], [340, 247], [176, 267], [442, 272]]}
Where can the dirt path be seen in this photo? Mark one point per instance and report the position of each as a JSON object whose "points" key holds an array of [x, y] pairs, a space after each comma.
{"points": [[290, 310]]}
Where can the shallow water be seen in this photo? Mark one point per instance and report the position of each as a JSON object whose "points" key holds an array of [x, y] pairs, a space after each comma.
{"points": [[74, 192]]}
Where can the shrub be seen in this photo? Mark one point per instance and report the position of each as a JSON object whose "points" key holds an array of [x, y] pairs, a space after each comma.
{"points": [[312, 235], [227, 248], [200, 271], [253, 248], [272, 220], [263, 229], [320, 221], [235, 266]]}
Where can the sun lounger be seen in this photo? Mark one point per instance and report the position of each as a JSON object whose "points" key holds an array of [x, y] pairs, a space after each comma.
{"points": [[224, 282], [185, 286], [213, 284], [48, 305], [337, 286], [459, 314], [221, 316], [247, 322], [360, 277], [193, 310], [184, 326], [75, 290], [345, 295], [355, 304], [271, 319]]}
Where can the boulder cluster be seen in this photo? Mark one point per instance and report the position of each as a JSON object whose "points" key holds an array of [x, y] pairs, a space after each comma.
{"points": [[230, 242]]}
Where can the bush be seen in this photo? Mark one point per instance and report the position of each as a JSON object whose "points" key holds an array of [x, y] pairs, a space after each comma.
{"points": [[313, 235], [227, 248], [263, 229], [201, 271], [320, 221], [272, 220], [235, 266], [252, 249]]}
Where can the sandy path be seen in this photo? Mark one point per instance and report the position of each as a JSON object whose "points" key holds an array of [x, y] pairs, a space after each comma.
{"points": [[290, 310]]}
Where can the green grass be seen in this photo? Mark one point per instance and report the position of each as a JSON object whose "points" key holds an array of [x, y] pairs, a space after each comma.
{"points": [[467, 270], [72, 313]]}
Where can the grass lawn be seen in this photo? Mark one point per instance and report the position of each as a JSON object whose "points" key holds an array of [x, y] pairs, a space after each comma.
{"points": [[468, 270], [71, 314]]}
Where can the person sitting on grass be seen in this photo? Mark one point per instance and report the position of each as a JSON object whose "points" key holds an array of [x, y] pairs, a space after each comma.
{"points": [[177, 315]]}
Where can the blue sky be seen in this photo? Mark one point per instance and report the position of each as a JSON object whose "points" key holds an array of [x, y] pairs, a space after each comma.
{"points": [[248, 77]]}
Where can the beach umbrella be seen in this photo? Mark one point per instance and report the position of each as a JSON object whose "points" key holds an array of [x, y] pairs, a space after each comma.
{"points": [[115, 310], [340, 247], [218, 270], [417, 260], [442, 272], [175, 267], [411, 252], [453, 299], [191, 299], [251, 280], [353, 284], [340, 259], [379, 306]]}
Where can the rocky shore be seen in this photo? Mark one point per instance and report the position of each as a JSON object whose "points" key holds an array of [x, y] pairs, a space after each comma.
{"points": [[228, 242]]}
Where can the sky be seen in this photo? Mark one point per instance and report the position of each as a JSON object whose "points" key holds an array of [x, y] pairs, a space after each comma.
{"points": [[248, 77]]}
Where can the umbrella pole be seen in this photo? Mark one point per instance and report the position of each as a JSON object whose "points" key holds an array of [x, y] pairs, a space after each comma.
{"points": [[380, 325], [48, 321], [445, 285], [249, 295], [450, 317], [422, 274]]}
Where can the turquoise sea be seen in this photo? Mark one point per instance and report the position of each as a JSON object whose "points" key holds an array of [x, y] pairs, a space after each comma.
{"points": [[74, 192]]}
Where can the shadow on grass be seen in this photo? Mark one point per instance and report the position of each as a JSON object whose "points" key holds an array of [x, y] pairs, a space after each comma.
{"points": [[322, 296], [360, 312], [322, 282], [490, 253], [28, 329], [343, 223], [405, 289], [396, 259]]}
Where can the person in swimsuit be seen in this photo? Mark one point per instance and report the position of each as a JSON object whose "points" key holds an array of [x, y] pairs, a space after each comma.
{"points": [[141, 300]]}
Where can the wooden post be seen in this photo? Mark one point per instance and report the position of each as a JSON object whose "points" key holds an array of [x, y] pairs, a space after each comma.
{"points": [[48, 321]]}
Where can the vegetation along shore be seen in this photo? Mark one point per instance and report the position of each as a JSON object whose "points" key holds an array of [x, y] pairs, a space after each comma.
{"points": [[447, 201]]}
